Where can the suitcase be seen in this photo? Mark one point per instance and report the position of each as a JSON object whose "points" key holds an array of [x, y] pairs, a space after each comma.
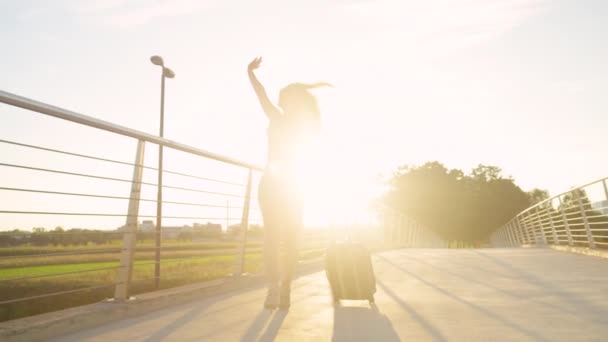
{"points": [[350, 273]]}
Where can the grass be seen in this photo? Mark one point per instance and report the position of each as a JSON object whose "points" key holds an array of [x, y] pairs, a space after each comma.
{"points": [[203, 262], [169, 244]]}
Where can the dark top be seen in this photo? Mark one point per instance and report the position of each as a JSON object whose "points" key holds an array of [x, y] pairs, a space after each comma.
{"points": [[279, 140], [287, 140]]}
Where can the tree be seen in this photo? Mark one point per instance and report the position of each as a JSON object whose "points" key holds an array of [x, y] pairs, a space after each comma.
{"points": [[455, 205], [537, 195]]}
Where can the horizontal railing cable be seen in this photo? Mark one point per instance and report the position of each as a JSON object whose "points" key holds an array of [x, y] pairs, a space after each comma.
{"points": [[115, 197], [117, 179], [52, 232], [202, 178], [117, 162], [73, 173], [40, 107], [68, 153], [83, 252], [111, 215]]}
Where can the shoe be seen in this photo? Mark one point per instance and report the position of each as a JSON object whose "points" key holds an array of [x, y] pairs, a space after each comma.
{"points": [[272, 299], [285, 300]]}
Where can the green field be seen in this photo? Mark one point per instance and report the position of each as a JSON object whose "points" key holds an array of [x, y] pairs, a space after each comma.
{"points": [[182, 263]]}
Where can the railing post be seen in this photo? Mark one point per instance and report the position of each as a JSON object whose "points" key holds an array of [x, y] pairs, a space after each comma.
{"points": [[530, 224], [605, 190], [507, 227], [391, 229], [517, 233], [524, 229], [566, 224], [507, 236], [553, 232], [524, 225], [406, 232], [125, 272], [590, 239], [240, 269], [512, 234], [421, 237], [400, 230], [395, 234], [522, 233], [541, 225], [410, 233], [385, 223], [415, 234]]}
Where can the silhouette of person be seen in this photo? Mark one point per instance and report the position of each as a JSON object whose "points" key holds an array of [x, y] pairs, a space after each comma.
{"points": [[293, 124]]}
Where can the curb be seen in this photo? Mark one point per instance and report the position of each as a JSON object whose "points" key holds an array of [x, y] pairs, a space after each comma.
{"points": [[582, 250]]}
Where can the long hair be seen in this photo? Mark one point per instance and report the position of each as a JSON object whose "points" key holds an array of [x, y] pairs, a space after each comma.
{"points": [[301, 106]]}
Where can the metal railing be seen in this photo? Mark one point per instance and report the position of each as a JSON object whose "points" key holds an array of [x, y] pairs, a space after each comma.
{"points": [[123, 260], [578, 217], [403, 231]]}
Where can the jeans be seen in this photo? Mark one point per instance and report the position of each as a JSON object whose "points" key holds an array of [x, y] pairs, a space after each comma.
{"points": [[282, 214]]}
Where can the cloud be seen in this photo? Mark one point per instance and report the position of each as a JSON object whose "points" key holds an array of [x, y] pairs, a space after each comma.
{"points": [[570, 86], [125, 14], [437, 25]]}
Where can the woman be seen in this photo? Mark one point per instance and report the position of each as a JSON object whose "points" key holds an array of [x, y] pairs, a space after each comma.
{"points": [[293, 125]]}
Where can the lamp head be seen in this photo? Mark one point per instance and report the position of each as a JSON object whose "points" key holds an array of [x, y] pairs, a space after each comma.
{"points": [[157, 60], [168, 73]]}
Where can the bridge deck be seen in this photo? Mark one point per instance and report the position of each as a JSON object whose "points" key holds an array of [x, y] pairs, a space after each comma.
{"points": [[423, 294]]}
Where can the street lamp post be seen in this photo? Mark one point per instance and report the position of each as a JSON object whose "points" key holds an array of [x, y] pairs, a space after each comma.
{"points": [[166, 73]]}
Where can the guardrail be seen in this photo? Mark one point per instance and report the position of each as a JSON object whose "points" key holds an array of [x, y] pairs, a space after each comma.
{"points": [[59, 268], [578, 217], [402, 231]]}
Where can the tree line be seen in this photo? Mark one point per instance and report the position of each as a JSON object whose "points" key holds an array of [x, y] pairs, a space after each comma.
{"points": [[57, 237], [457, 205]]}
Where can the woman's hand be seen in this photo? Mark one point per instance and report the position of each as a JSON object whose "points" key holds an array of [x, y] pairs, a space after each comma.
{"points": [[255, 63], [270, 110]]}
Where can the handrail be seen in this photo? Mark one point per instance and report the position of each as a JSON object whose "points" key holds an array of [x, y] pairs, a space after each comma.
{"points": [[582, 217], [561, 194], [123, 271], [40, 107]]}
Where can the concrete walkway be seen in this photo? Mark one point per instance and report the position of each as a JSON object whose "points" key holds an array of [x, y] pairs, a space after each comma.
{"points": [[423, 295]]}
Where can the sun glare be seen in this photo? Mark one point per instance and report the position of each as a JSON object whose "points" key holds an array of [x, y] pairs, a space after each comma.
{"points": [[332, 190]]}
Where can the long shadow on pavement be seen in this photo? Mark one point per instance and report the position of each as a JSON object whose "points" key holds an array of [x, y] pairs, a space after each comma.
{"points": [[437, 335], [176, 324], [548, 287], [362, 324], [258, 324], [505, 292], [273, 327], [531, 334]]}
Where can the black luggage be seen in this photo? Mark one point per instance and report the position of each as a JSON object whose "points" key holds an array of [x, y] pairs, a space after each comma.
{"points": [[349, 270]]}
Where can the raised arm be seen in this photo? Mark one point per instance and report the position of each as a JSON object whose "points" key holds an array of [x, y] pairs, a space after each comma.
{"points": [[270, 109]]}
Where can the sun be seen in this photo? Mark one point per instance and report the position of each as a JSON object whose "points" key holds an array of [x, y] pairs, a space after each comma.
{"points": [[331, 190]]}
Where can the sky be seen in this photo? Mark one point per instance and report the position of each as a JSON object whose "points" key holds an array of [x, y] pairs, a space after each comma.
{"points": [[512, 83]]}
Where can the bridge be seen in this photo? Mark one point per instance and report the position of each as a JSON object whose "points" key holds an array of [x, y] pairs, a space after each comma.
{"points": [[537, 282]]}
